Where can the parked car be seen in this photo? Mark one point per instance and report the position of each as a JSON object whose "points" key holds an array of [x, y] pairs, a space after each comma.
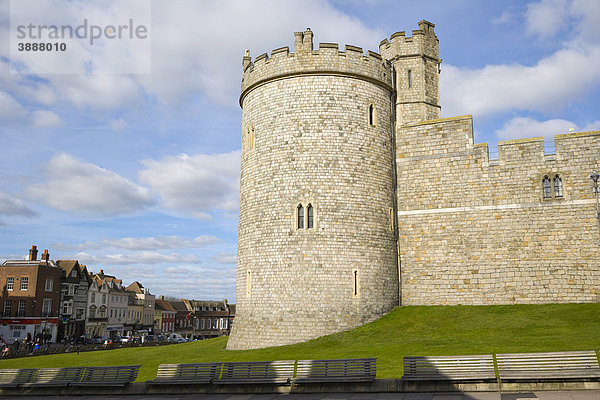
{"points": [[148, 339], [125, 339], [175, 338], [101, 340]]}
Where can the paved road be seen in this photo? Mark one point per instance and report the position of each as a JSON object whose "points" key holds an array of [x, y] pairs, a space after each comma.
{"points": [[570, 395]]}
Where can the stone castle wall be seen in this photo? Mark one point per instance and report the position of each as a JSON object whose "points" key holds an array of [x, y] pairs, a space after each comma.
{"points": [[317, 130], [478, 231], [307, 140]]}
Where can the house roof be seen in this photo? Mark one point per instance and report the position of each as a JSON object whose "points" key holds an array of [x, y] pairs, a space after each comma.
{"points": [[164, 305], [67, 265], [136, 287], [179, 306]]}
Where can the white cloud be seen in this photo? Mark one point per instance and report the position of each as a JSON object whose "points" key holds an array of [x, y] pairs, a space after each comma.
{"points": [[506, 17], [144, 257], [592, 126], [45, 119], [587, 12], [10, 205], [144, 243], [547, 17], [77, 186], [548, 86], [179, 271], [522, 127], [118, 125], [196, 47], [195, 184], [225, 258], [99, 92], [218, 33], [10, 109]]}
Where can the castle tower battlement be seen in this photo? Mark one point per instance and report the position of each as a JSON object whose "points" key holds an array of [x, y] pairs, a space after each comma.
{"points": [[328, 60], [356, 197], [316, 185], [423, 43], [416, 63]]}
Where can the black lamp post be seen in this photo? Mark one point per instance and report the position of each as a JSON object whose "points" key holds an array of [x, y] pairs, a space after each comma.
{"points": [[594, 177]]}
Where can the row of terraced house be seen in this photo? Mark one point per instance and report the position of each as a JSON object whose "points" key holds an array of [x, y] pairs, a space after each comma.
{"points": [[61, 300]]}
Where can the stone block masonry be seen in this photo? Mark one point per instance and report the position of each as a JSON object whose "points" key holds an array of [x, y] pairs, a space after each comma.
{"points": [[479, 231], [355, 197]]}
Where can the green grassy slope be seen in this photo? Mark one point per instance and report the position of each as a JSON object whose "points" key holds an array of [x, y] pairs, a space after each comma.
{"points": [[422, 330]]}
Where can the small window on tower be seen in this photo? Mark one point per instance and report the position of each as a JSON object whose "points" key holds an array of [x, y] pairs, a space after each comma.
{"points": [[371, 115], [547, 188], [557, 186], [355, 283], [248, 282], [409, 77], [310, 216], [300, 224]]}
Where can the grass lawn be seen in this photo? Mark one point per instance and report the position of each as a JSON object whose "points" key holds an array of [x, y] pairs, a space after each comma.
{"points": [[409, 330]]}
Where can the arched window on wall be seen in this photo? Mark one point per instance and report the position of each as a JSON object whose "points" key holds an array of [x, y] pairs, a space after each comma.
{"points": [[557, 186], [310, 216], [547, 187], [300, 223]]}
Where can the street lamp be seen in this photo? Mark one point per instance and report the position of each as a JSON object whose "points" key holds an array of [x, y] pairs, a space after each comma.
{"points": [[594, 177]]}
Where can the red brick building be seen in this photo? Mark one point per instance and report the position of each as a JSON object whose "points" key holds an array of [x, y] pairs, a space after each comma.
{"points": [[30, 297]]}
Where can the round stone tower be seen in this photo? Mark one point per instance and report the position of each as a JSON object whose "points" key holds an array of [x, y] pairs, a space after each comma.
{"points": [[316, 244]]}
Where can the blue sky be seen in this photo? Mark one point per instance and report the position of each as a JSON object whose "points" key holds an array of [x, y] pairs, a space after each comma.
{"points": [[138, 174]]}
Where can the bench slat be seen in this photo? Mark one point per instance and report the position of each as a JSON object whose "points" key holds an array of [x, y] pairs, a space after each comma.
{"points": [[16, 377], [56, 376], [573, 364], [108, 376], [471, 367], [343, 370], [187, 373], [280, 372]]}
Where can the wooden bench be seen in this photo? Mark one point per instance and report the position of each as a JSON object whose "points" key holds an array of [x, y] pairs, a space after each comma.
{"points": [[451, 368], [15, 377], [561, 365], [108, 376], [279, 372], [174, 374], [56, 376], [343, 370]]}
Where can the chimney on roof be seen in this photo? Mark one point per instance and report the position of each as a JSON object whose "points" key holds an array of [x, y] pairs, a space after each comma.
{"points": [[45, 255], [33, 253]]}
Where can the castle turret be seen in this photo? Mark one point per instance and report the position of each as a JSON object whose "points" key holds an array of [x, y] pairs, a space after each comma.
{"points": [[416, 64], [316, 246]]}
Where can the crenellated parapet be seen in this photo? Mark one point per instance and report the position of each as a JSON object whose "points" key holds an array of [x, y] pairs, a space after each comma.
{"points": [[326, 60], [423, 42]]}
